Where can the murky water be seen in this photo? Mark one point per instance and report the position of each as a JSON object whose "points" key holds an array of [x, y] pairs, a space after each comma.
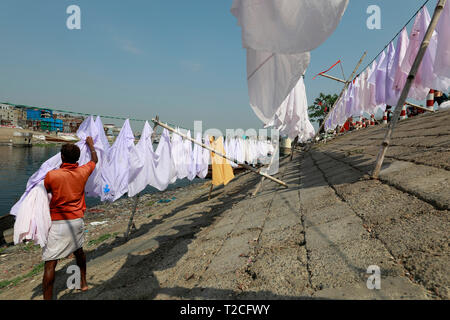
{"points": [[18, 164]]}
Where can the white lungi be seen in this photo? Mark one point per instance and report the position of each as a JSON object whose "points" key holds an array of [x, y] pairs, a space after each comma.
{"points": [[64, 238]]}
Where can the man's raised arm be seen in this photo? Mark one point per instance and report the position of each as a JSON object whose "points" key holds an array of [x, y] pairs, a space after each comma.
{"points": [[90, 144]]}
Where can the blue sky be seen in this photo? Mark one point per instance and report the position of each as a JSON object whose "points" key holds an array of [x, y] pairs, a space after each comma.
{"points": [[182, 60]]}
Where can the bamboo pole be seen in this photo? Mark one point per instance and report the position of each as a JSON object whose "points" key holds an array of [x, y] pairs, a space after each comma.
{"points": [[332, 78], [292, 147], [220, 155], [210, 190], [412, 74], [259, 186], [340, 96], [419, 107], [130, 223], [136, 198]]}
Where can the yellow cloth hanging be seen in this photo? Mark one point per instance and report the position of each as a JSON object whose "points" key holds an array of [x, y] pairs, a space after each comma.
{"points": [[222, 173]]}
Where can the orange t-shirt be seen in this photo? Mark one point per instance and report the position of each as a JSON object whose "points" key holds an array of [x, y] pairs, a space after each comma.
{"points": [[67, 187]]}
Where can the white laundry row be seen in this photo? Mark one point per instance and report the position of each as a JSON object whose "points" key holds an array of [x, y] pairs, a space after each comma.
{"points": [[381, 83], [125, 168]]}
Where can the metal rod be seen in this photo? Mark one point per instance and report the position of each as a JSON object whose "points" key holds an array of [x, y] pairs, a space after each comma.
{"points": [[407, 87], [220, 155]]}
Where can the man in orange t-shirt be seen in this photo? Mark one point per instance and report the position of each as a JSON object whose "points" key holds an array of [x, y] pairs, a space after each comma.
{"points": [[67, 208]]}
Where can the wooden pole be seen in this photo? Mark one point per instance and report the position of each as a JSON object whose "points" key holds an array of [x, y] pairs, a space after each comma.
{"points": [[220, 155], [263, 178], [332, 78], [130, 223], [412, 74], [340, 96], [210, 190], [419, 107], [293, 144], [136, 198]]}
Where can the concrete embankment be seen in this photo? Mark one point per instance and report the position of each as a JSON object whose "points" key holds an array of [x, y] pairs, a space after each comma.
{"points": [[313, 240]]}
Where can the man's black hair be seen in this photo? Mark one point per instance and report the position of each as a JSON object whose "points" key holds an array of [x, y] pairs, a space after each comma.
{"points": [[70, 153]]}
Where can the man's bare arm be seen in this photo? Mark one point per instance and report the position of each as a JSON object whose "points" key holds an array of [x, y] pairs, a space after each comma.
{"points": [[90, 144]]}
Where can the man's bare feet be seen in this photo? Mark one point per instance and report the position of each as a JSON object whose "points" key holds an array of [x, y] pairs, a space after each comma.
{"points": [[84, 288]]}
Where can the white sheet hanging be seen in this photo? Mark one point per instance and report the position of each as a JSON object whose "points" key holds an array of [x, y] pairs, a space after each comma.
{"points": [[442, 59], [389, 93], [141, 163], [286, 26], [418, 91], [292, 118], [189, 158], [380, 74], [395, 77], [87, 128], [278, 37], [165, 170], [116, 170]]}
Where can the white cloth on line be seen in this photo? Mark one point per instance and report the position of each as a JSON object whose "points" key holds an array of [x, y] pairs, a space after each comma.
{"points": [[278, 37], [141, 163], [292, 118], [286, 26], [442, 59], [116, 169], [87, 128]]}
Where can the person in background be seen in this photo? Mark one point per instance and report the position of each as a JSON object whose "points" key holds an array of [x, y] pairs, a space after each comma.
{"points": [[67, 207], [440, 97]]}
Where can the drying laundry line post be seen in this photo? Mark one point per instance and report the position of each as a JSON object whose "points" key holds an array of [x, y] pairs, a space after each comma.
{"points": [[347, 83], [220, 155], [412, 74], [419, 107], [263, 178], [332, 78], [293, 144], [136, 197], [130, 223]]}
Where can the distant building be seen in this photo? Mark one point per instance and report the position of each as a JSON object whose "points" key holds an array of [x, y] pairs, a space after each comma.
{"points": [[12, 116]]}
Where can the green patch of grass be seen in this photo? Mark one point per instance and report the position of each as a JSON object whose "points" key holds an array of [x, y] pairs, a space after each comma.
{"points": [[36, 270], [102, 238], [2, 249], [150, 203], [30, 247]]}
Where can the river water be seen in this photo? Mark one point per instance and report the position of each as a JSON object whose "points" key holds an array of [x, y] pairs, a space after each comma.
{"points": [[18, 164]]}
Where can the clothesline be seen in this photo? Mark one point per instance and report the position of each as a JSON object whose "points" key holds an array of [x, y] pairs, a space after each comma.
{"points": [[87, 114], [396, 35]]}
